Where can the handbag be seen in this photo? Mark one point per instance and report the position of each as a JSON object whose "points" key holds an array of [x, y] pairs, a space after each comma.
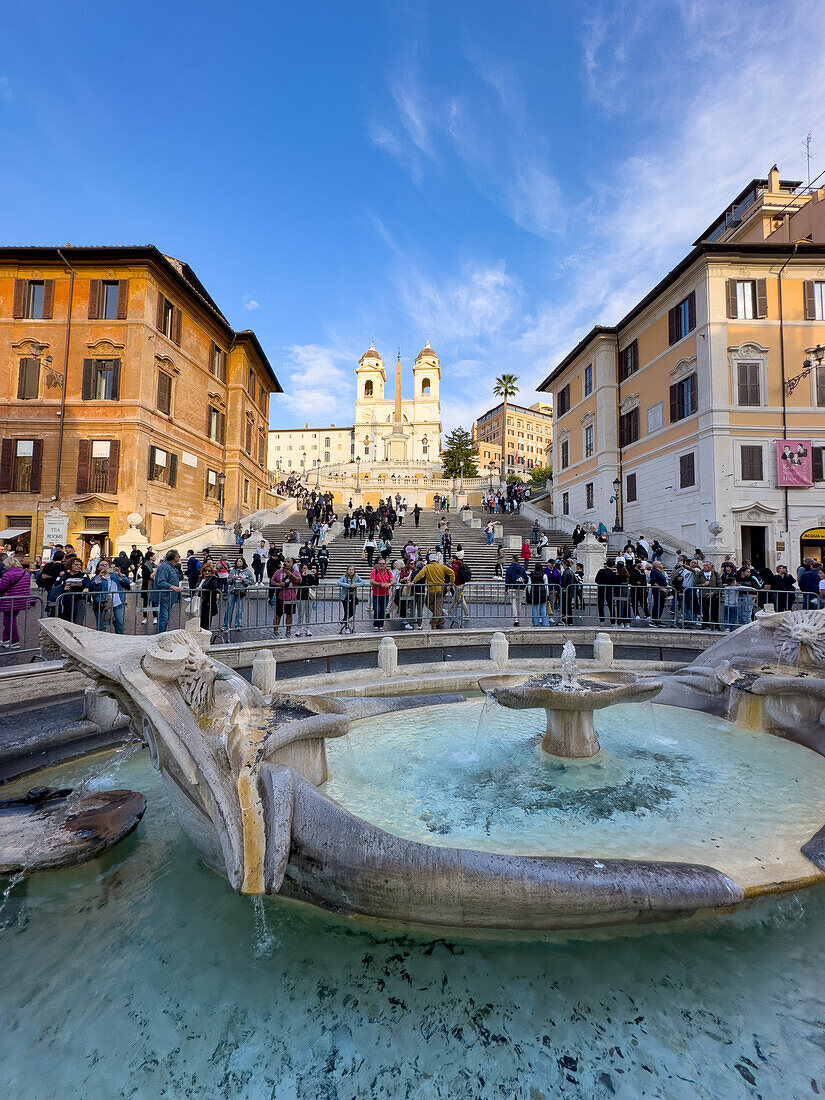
{"points": [[195, 605]]}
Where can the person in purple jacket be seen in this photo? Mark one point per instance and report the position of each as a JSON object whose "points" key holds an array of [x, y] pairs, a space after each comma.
{"points": [[15, 594]]}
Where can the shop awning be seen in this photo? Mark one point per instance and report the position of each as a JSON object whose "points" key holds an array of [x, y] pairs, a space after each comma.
{"points": [[14, 532], [94, 532]]}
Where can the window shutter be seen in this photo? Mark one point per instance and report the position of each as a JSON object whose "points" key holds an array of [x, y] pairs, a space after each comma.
{"points": [[761, 298], [48, 299], [176, 325], [810, 305], [94, 299], [221, 427], [691, 311], [6, 460], [27, 379], [159, 316], [151, 463], [211, 360], [223, 366], [208, 420], [672, 323], [116, 380], [674, 402], [732, 310], [19, 307], [114, 459], [173, 469], [84, 452], [37, 466], [122, 299], [88, 374], [691, 395]]}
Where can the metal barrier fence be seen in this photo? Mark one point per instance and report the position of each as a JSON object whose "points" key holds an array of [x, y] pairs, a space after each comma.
{"points": [[19, 632], [327, 608]]}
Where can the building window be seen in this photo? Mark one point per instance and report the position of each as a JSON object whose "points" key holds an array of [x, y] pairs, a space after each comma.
{"points": [[565, 454], [589, 495], [588, 379], [164, 396], [217, 362], [628, 360], [367, 388], [250, 383], [687, 472], [814, 301], [588, 441], [211, 484], [163, 466], [28, 378], [818, 463], [326, 456], [820, 384], [682, 319], [326, 441], [169, 319], [683, 398], [33, 299], [258, 499], [751, 462], [21, 463], [108, 299], [97, 465], [248, 438], [246, 491], [99, 469], [110, 293], [748, 388], [630, 488], [261, 448], [425, 387], [215, 424], [565, 504], [628, 427], [101, 380], [747, 298], [562, 401]]}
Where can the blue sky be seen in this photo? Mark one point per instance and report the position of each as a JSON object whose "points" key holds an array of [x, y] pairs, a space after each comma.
{"points": [[496, 177]]}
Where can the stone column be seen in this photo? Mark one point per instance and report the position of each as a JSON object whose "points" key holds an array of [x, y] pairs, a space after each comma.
{"points": [[264, 671], [388, 657], [591, 553], [499, 649]]}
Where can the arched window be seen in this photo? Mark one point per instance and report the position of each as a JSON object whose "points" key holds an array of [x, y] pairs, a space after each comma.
{"points": [[326, 456], [425, 387], [368, 388], [326, 443]]}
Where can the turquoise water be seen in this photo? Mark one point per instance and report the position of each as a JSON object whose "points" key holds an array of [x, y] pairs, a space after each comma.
{"points": [[667, 784], [144, 975]]}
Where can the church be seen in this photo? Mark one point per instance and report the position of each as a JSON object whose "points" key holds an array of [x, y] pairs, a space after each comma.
{"points": [[388, 428]]}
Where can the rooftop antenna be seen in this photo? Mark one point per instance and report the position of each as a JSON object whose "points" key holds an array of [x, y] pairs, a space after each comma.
{"points": [[809, 156]]}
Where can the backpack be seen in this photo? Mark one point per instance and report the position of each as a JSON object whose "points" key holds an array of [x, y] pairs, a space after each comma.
{"points": [[463, 574]]}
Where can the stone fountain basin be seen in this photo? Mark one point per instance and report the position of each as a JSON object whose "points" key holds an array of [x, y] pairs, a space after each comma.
{"points": [[601, 689]]}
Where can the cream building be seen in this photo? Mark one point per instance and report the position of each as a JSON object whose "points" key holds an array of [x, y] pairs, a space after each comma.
{"points": [[388, 429], [687, 405]]}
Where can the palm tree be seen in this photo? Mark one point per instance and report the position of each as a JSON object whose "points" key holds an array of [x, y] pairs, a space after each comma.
{"points": [[505, 386]]}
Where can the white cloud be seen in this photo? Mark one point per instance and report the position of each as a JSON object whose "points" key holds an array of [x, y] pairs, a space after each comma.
{"points": [[318, 383], [252, 304], [475, 305], [5, 88]]}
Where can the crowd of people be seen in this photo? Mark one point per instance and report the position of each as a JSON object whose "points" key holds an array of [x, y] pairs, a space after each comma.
{"points": [[401, 580], [509, 501]]}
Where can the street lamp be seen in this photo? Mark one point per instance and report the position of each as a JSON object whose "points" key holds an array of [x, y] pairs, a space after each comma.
{"points": [[221, 483], [617, 485], [491, 466], [317, 472], [815, 360], [304, 461], [357, 472], [461, 473]]}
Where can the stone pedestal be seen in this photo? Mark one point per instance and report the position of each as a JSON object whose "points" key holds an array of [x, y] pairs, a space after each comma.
{"points": [[264, 671], [499, 649], [388, 657], [476, 523], [603, 650], [133, 536], [570, 733], [512, 542], [591, 553]]}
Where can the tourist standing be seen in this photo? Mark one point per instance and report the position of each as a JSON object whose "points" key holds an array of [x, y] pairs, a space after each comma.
{"points": [[15, 596], [381, 581], [304, 602], [284, 584], [167, 585], [209, 592], [108, 587], [515, 582], [240, 578], [348, 586], [537, 595]]}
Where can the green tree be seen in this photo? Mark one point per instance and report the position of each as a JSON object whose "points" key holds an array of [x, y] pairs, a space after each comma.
{"points": [[540, 474], [458, 454], [505, 386]]}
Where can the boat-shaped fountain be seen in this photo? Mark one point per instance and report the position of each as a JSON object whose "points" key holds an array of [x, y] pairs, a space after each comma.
{"points": [[247, 776]]}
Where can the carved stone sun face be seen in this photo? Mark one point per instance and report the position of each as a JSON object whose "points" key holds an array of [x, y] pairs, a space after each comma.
{"points": [[801, 637]]}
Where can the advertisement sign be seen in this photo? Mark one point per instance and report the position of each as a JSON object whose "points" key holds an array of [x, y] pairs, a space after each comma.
{"points": [[55, 527], [794, 464]]}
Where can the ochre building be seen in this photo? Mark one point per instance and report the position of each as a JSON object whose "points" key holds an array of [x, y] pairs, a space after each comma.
{"points": [[707, 399], [529, 432], [124, 390]]}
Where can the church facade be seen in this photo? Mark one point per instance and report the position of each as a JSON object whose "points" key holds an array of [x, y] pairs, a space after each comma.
{"points": [[388, 427]]}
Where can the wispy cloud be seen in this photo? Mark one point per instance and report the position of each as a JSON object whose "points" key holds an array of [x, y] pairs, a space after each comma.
{"points": [[318, 382], [474, 305], [5, 88], [252, 304]]}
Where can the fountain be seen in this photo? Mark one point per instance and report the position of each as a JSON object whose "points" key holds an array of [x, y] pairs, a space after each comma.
{"points": [[569, 701]]}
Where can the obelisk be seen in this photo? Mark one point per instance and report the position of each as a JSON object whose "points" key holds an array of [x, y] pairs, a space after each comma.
{"points": [[398, 440]]}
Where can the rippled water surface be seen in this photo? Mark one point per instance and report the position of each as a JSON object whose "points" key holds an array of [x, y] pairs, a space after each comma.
{"points": [[144, 975]]}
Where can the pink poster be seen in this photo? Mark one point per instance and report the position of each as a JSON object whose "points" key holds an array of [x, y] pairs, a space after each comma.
{"points": [[794, 468]]}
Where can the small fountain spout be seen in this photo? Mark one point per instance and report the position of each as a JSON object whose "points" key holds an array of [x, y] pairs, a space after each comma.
{"points": [[569, 669]]}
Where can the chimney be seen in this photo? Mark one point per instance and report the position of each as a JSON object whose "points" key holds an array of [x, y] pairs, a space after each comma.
{"points": [[773, 180]]}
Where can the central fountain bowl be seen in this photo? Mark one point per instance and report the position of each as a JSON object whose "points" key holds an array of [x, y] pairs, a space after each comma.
{"points": [[569, 703]]}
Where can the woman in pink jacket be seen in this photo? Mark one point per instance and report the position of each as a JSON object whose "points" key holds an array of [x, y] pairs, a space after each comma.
{"points": [[15, 595]]}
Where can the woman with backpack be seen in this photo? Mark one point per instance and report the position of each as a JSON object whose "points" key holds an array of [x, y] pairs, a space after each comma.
{"points": [[305, 600], [381, 581], [538, 591], [240, 578]]}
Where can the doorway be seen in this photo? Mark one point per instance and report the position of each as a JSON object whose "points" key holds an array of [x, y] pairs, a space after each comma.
{"points": [[754, 546]]}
